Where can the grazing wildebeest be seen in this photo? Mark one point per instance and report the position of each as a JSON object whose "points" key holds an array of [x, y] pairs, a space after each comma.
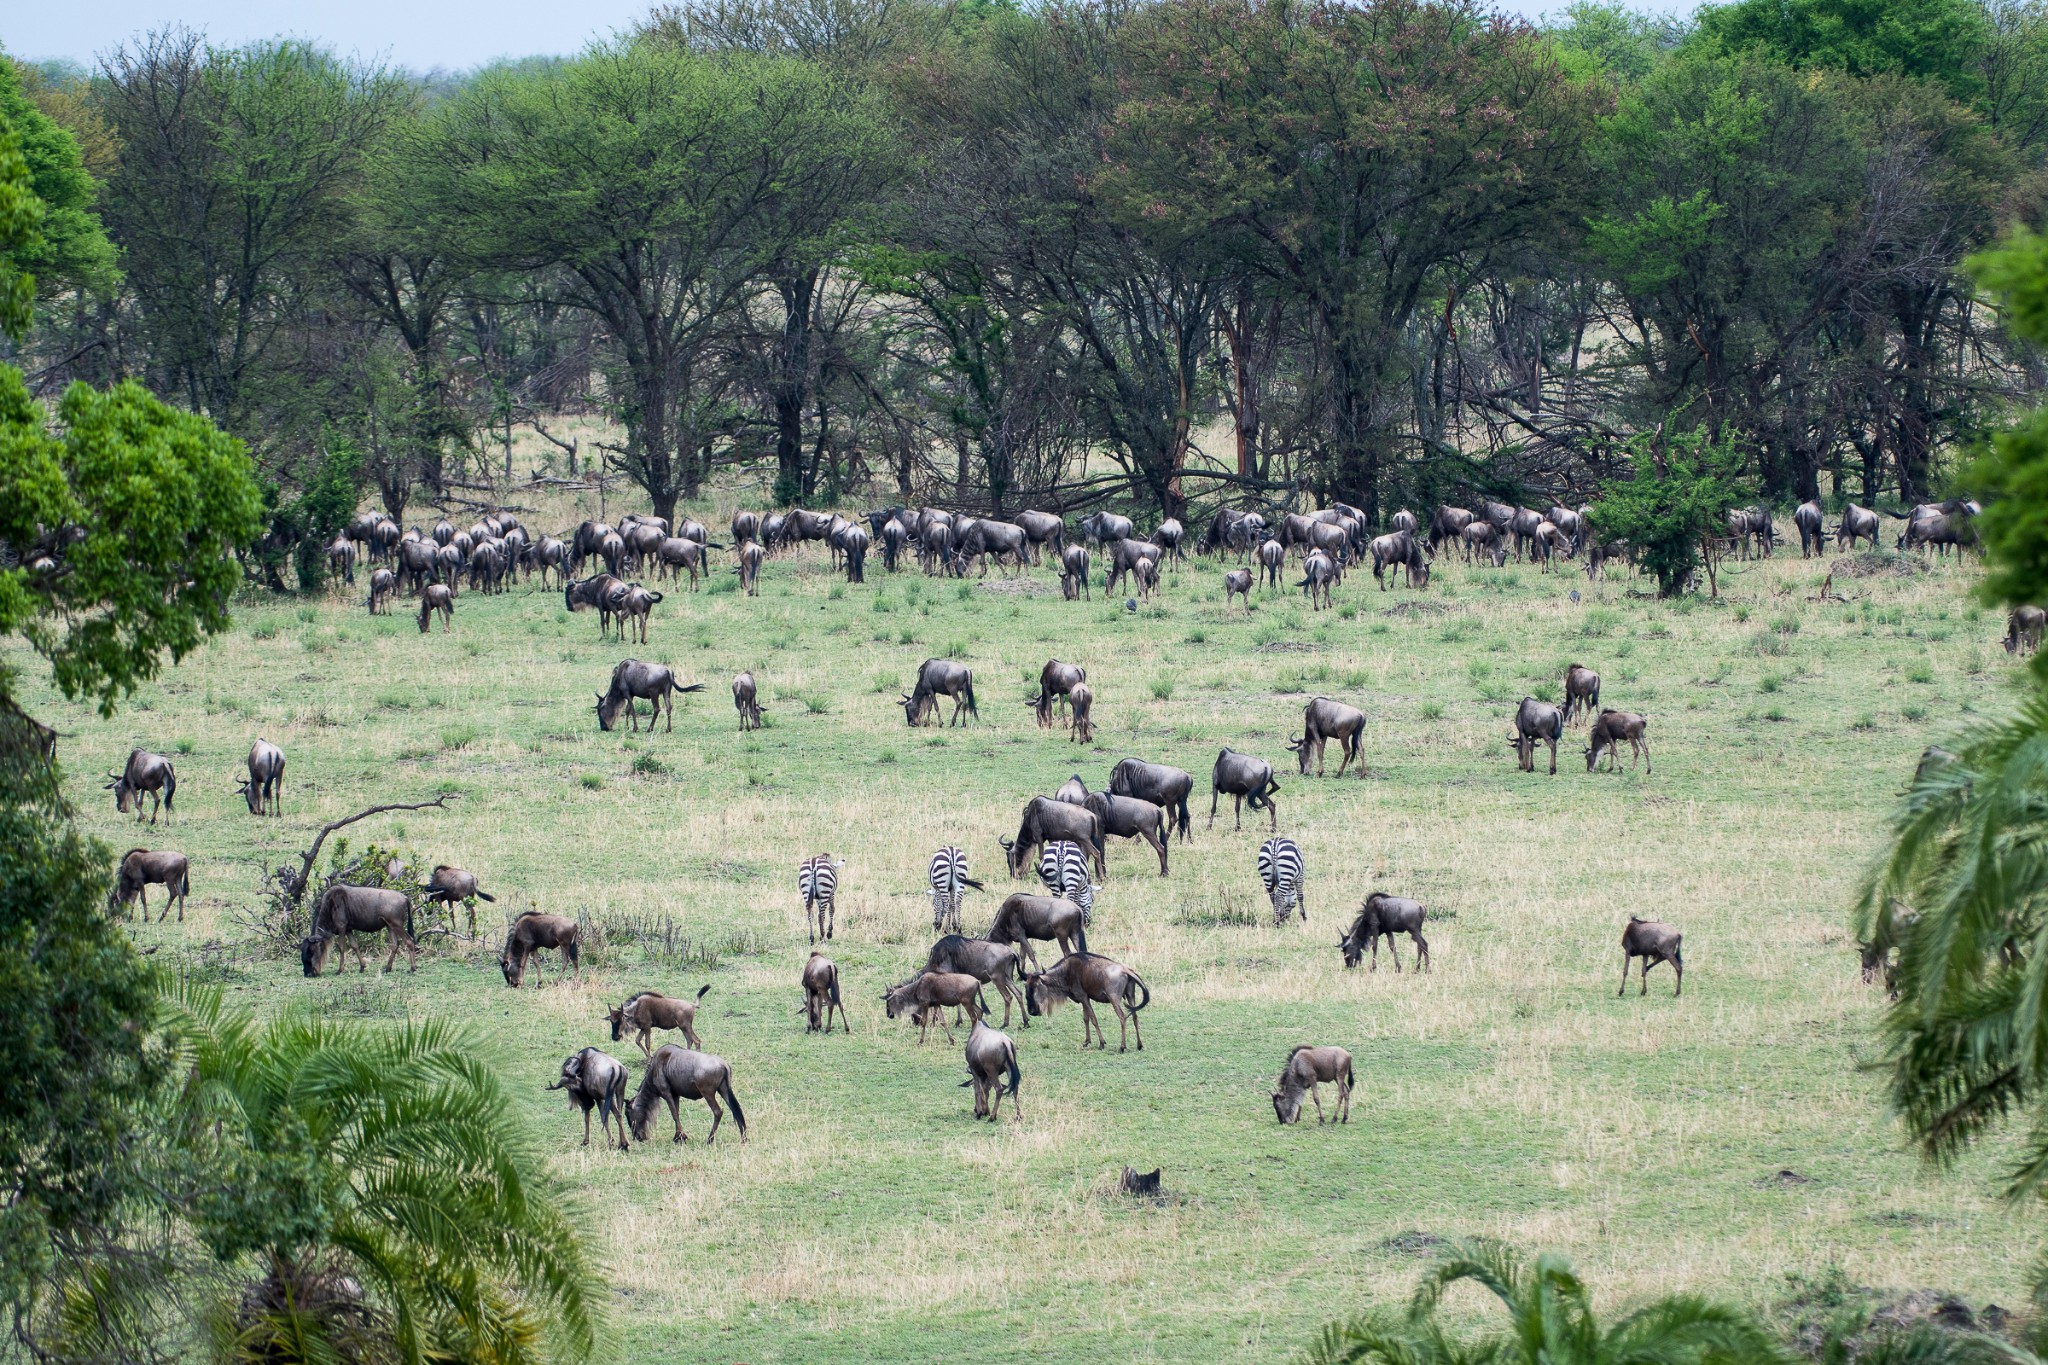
{"points": [[927, 996], [140, 868], [994, 964], [529, 934], [1858, 523], [937, 678], [1042, 529], [1124, 557], [415, 563], [678, 556], [550, 556], [1570, 525], [1448, 524], [1045, 820], [1167, 536], [1752, 522], [341, 560], [648, 682], [595, 591], [1482, 538], [1536, 720], [1807, 517], [144, 772], [1103, 527], [821, 994], [647, 1011], [1281, 873], [1306, 1068], [1082, 698], [263, 788], [2023, 630], [1319, 577], [746, 702], [749, 557], [383, 587], [1403, 520], [345, 911], [1024, 916], [1055, 681], [1128, 817], [1271, 557], [1238, 583], [1074, 573], [437, 597], [746, 526], [1610, 728], [1334, 540], [1088, 980], [1073, 791], [1322, 721], [991, 1054], [997, 540], [1581, 691], [817, 881], [595, 1080], [1383, 916], [1653, 943], [1402, 548], [1165, 787], [675, 1074], [452, 886], [1246, 779]]}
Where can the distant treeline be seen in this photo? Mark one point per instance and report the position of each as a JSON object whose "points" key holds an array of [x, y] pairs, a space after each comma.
{"points": [[905, 250]]}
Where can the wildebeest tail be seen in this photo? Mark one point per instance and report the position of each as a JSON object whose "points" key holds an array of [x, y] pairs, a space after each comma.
{"points": [[408, 916], [1081, 936], [1016, 1076], [702, 989], [1132, 982], [1182, 816], [484, 895], [693, 687], [972, 709], [835, 986], [725, 1089]]}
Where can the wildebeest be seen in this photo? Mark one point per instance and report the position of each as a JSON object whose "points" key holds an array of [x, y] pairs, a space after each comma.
{"points": [[595, 591], [1610, 728], [1752, 523], [1807, 518], [632, 679], [1536, 720], [675, 1074], [1128, 817], [448, 564], [1124, 557], [633, 605], [345, 911], [263, 788], [1074, 573], [437, 597], [746, 526], [1319, 577], [452, 886], [595, 1080], [1271, 557], [1087, 980], [415, 562], [991, 1054], [529, 934], [821, 994], [852, 542], [1042, 529], [140, 868], [1581, 691], [928, 995], [1402, 548], [1103, 527], [1165, 787], [1482, 539], [647, 1011], [678, 556], [1045, 819], [1448, 524], [1245, 779], [1323, 721], [746, 702], [1055, 681], [1653, 943], [1307, 1067], [1023, 917], [1073, 791], [383, 587], [1858, 523], [1383, 916], [937, 678], [748, 566], [2023, 630], [1082, 698], [144, 772], [1238, 583], [994, 964]]}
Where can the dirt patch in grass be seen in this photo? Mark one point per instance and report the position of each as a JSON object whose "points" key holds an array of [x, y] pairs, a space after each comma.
{"points": [[1017, 587], [1881, 564]]}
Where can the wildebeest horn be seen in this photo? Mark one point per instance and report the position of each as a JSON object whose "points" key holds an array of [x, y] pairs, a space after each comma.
{"points": [[1006, 843]]}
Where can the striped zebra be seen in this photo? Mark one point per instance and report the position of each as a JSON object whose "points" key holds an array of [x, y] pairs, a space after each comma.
{"points": [[817, 881], [1063, 867], [949, 880], [1280, 870]]}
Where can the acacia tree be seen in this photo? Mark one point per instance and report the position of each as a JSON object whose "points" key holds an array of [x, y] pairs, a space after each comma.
{"points": [[652, 187]]}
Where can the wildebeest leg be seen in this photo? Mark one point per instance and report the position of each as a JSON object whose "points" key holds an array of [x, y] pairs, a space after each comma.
{"points": [[1421, 950], [586, 1128], [691, 1034], [717, 1117], [1089, 1021], [1648, 962], [1394, 951], [675, 1112], [939, 1018], [1214, 797], [1624, 972], [1552, 741], [1678, 965], [1315, 1092], [671, 695], [1158, 846]]}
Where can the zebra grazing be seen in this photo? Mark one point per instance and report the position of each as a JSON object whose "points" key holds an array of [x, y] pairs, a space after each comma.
{"points": [[1063, 867], [949, 880], [817, 879], [1280, 870]]}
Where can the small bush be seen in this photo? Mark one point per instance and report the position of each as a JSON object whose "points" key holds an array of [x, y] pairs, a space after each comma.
{"points": [[184, 746], [647, 765], [1775, 713], [592, 781], [1770, 682], [1162, 689], [837, 594], [722, 583], [458, 736], [886, 756], [1195, 637], [817, 704], [1545, 691], [1866, 721], [307, 616], [906, 636], [1741, 614], [264, 632], [1432, 710], [1920, 673], [1915, 713]]}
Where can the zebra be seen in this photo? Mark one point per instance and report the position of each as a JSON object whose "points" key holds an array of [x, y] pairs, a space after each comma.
{"points": [[1280, 870], [948, 878], [1063, 867], [817, 881]]}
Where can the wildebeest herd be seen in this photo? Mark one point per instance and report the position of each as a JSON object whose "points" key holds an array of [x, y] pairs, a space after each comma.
{"points": [[1063, 837]]}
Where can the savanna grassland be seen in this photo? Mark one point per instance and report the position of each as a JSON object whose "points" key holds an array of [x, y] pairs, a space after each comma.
{"points": [[1508, 1092]]}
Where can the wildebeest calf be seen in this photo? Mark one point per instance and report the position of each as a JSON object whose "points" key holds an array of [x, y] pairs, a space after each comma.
{"points": [[1306, 1068], [650, 1010], [1384, 916], [821, 994], [1610, 728], [1653, 943], [926, 996]]}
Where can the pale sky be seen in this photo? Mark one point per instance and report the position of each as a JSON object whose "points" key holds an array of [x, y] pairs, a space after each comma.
{"points": [[418, 34]]}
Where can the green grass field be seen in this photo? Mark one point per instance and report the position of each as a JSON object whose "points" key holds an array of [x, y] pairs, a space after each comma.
{"points": [[1509, 1092]]}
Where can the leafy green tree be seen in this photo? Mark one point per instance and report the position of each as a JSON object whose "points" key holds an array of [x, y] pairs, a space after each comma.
{"points": [[74, 252], [1936, 40], [2013, 473], [1675, 504], [1550, 1322], [333, 1156]]}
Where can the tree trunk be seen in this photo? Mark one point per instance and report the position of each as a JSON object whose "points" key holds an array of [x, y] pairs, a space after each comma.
{"points": [[788, 391]]}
